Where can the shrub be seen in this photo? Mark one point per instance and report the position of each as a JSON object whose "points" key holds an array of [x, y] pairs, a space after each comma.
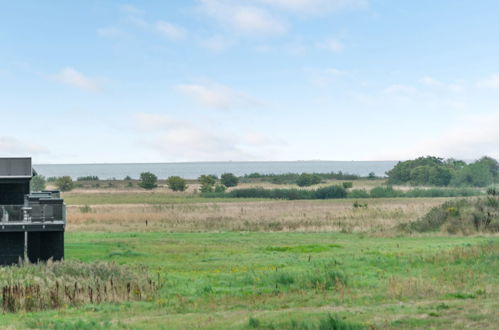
{"points": [[38, 183], [127, 178], [176, 183], [64, 183], [229, 180], [358, 193], [461, 216], [347, 185], [330, 192], [219, 188], [148, 180], [385, 192], [88, 178], [207, 182], [305, 180]]}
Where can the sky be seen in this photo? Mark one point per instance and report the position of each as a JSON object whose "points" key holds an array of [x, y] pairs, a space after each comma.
{"points": [[103, 81]]}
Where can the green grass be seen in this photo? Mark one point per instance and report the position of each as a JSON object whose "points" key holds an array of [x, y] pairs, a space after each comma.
{"points": [[287, 280]]}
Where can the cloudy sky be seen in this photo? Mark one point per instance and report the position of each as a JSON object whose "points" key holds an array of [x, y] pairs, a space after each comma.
{"points": [[203, 80]]}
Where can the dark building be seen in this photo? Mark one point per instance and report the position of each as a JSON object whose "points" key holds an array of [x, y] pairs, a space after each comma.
{"points": [[32, 224]]}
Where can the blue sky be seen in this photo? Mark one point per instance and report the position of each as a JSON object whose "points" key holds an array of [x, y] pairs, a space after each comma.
{"points": [[206, 80]]}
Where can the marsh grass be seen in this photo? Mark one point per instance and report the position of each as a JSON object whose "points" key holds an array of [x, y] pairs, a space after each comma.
{"points": [[382, 216], [34, 287]]}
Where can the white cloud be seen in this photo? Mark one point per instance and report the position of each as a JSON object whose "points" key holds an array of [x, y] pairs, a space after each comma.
{"points": [[72, 77], [216, 44], [316, 6], [244, 18], [473, 137], [216, 96], [10, 146], [333, 45], [170, 31], [182, 141], [491, 82], [434, 83]]}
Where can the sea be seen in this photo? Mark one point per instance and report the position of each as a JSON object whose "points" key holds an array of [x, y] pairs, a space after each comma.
{"points": [[192, 170]]}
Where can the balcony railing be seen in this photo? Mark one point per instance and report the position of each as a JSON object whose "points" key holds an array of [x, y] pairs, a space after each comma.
{"points": [[32, 213]]}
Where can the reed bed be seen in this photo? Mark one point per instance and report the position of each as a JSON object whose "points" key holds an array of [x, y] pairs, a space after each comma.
{"points": [[35, 287]]}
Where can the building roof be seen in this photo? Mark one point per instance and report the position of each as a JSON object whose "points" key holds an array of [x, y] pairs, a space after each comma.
{"points": [[16, 168]]}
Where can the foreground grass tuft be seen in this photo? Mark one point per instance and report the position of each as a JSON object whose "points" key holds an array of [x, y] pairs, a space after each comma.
{"points": [[34, 287]]}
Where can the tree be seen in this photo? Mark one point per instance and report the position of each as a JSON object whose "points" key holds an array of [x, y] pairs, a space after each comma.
{"points": [[491, 163], [220, 188], [476, 174], [176, 183], [38, 183], [305, 180], [207, 182], [229, 180], [148, 180], [64, 183]]}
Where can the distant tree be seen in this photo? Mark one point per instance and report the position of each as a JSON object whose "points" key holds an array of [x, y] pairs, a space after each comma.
{"points": [[477, 174], [64, 183], [176, 183], [207, 182], [127, 178], [406, 172], [148, 180], [229, 180], [491, 163], [220, 188], [38, 183], [305, 180], [371, 176], [88, 178]]}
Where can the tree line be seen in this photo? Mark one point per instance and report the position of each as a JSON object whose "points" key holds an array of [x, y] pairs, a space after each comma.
{"points": [[435, 171]]}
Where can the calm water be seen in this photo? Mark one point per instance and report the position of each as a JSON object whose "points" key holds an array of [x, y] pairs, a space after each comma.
{"points": [[194, 170]]}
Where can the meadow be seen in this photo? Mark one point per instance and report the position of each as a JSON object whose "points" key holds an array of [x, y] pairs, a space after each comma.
{"points": [[215, 263]]}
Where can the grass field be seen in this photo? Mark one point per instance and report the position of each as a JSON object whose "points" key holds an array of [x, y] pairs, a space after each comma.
{"points": [[240, 280], [266, 264]]}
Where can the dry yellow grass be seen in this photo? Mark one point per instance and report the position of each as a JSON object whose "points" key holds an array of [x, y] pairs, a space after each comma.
{"points": [[381, 215]]}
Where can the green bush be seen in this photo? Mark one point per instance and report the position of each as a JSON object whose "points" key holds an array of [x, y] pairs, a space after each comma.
{"points": [[305, 180], [207, 182], [347, 185], [385, 192], [64, 183], [219, 188], [358, 193], [148, 180], [464, 216], [176, 183], [38, 183], [330, 192], [88, 178], [229, 180]]}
